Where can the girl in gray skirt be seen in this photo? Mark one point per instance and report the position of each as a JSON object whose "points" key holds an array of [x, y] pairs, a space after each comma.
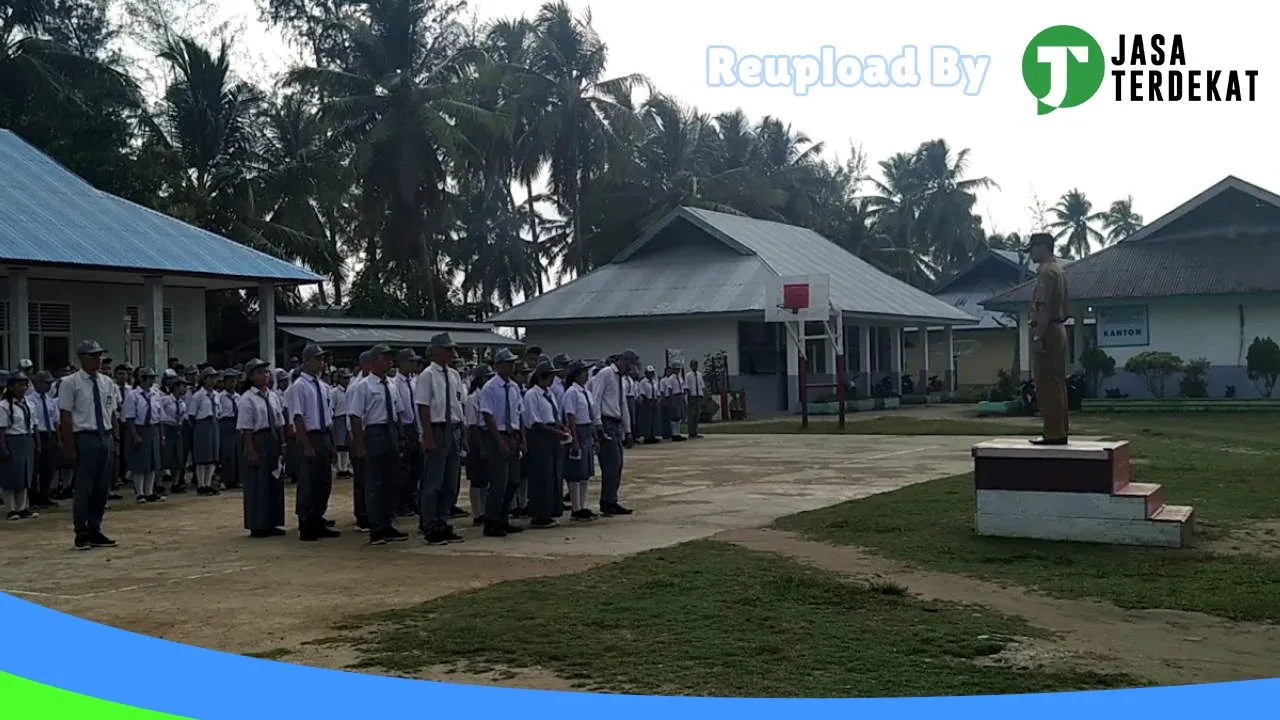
{"points": [[142, 436], [580, 418], [17, 446], [202, 410], [173, 452]]}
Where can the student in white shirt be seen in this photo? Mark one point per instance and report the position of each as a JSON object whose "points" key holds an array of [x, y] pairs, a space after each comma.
{"points": [[142, 436], [694, 389], [543, 433], [614, 427], [47, 485], [440, 395], [17, 447], [341, 427], [173, 416], [675, 400], [579, 419], [86, 403], [260, 421], [231, 467], [649, 407], [202, 411], [373, 410]]}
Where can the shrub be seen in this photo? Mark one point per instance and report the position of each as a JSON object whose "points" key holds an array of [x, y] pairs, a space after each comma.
{"points": [[715, 372], [885, 388], [1098, 365], [1195, 379], [1263, 364], [1006, 388], [1155, 367]]}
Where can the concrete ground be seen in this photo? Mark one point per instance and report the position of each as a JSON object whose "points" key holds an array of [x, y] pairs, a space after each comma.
{"points": [[185, 570]]}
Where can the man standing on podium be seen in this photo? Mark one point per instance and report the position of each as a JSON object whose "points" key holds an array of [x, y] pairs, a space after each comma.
{"points": [[1049, 340]]}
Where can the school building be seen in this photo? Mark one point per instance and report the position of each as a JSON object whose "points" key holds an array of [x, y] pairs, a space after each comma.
{"points": [[79, 263], [984, 349], [1200, 282], [696, 282]]}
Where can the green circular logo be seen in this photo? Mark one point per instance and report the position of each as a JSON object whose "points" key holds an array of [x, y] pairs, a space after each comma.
{"points": [[1063, 66]]}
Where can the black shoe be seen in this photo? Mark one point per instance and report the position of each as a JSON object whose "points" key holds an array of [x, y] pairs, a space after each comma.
{"points": [[261, 534], [363, 527], [115, 496], [13, 516], [155, 498], [452, 537], [520, 513], [327, 532], [377, 538], [98, 540], [28, 514], [178, 490], [512, 529], [1048, 441], [395, 535], [82, 543], [677, 438], [278, 532], [435, 537], [330, 523], [542, 523], [458, 512], [491, 530], [308, 536], [614, 509], [583, 514]]}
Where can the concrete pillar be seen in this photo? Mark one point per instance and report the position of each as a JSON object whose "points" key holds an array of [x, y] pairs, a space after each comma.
{"points": [[924, 358], [864, 358], [19, 316], [951, 358], [1024, 347], [895, 355], [154, 351], [267, 323]]}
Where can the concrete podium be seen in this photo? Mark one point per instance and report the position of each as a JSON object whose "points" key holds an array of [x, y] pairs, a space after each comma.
{"points": [[1078, 492]]}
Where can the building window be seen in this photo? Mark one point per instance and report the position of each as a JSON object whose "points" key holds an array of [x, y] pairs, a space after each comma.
{"points": [[50, 338], [760, 346], [138, 334]]}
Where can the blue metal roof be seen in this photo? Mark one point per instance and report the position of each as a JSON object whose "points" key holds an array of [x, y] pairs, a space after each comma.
{"points": [[50, 216]]}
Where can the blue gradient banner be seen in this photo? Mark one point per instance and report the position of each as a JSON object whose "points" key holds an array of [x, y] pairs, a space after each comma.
{"points": [[59, 652]]}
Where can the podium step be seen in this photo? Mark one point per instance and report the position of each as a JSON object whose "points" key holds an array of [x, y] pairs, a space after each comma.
{"points": [[1136, 501]]}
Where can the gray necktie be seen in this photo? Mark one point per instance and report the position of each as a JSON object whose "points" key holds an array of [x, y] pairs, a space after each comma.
{"points": [[324, 422], [97, 405], [448, 398], [386, 397], [271, 416]]}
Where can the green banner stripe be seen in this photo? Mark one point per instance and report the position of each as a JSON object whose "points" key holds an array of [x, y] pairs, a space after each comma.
{"points": [[27, 700]]}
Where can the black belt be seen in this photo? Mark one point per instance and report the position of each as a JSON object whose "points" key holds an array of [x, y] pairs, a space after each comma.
{"points": [[443, 424], [100, 433], [610, 417]]}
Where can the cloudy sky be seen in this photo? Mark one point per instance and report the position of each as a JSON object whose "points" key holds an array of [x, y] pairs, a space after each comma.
{"points": [[1161, 153]]}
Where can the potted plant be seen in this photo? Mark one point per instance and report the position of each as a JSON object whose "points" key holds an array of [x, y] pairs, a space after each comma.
{"points": [[885, 393], [1001, 399], [934, 389]]}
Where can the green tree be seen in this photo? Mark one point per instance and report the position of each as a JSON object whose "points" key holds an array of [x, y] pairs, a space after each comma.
{"points": [[1073, 218]]}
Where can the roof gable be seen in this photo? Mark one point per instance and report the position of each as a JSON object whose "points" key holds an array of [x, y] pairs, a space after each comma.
{"points": [[51, 216], [1231, 185], [990, 263]]}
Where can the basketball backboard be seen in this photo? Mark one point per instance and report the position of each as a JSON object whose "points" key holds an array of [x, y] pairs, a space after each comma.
{"points": [[798, 298]]}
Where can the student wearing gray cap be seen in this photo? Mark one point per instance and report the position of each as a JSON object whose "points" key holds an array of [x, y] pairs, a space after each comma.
{"points": [[440, 396], [230, 444], [311, 410], [610, 397], [260, 422], [86, 404], [502, 443], [373, 411], [17, 447], [142, 435], [408, 363]]}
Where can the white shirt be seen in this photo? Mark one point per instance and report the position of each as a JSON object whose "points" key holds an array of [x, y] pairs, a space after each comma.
{"points": [[228, 405], [367, 402], [136, 404], [17, 417], [75, 396], [339, 401], [608, 395], [202, 405], [471, 410], [577, 402], [539, 407], [497, 397], [429, 389], [46, 411], [629, 386], [403, 386], [648, 388], [309, 398], [693, 383], [252, 410]]}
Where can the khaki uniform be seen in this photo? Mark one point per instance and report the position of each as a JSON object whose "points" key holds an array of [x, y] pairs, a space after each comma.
{"points": [[1049, 361]]}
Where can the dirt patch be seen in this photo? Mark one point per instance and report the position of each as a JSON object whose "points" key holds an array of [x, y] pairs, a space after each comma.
{"points": [[1259, 538], [1163, 646]]}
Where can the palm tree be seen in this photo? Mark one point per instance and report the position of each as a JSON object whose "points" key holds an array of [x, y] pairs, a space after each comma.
{"points": [[1073, 219], [1120, 221], [952, 232]]}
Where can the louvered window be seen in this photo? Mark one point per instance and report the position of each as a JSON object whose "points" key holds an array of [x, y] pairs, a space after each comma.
{"points": [[137, 320]]}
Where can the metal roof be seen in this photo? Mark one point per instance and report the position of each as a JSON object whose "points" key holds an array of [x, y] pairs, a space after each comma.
{"points": [[731, 277], [366, 332], [50, 216]]}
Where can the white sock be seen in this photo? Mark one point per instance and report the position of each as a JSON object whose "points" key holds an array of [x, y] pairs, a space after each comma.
{"points": [[578, 495], [149, 484], [20, 497], [477, 501], [139, 484], [344, 461], [522, 494]]}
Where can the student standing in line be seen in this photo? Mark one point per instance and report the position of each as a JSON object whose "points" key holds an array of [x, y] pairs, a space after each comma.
{"points": [[374, 414], [579, 419], [86, 406], [558, 385], [476, 479], [502, 442], [411, 460], [629, 388], [230, 451], [609, 397], [260, 421], [542, 438], [675, 400], [142, 435], [341, 428], [123, 374], [440, 396], [17, 447], [47, 439], [202, 413], [173, 415], [192, 376], [694, 388], [359, 493], [308, 401], [650, 400]]}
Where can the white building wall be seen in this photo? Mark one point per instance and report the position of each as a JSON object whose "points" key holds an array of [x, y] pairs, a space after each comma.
{"points": [[1207, 327], [98, 312], [694, 337]]}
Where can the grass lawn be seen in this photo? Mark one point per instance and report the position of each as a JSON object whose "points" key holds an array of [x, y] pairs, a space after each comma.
{"points": [[876, 426], [1223, 465], [706, 618]]}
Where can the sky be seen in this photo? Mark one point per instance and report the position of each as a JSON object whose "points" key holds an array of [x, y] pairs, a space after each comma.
{"points": [[1160, 153]]}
